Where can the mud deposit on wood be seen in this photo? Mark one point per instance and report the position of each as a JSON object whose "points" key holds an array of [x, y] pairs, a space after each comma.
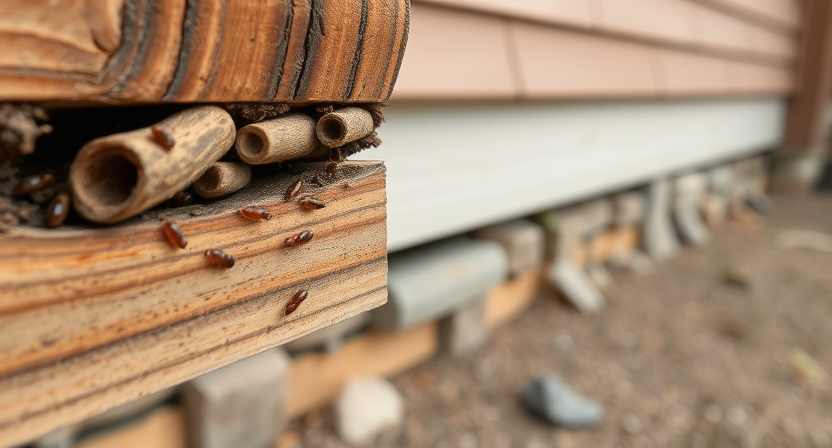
{"points": [[680, 358]]}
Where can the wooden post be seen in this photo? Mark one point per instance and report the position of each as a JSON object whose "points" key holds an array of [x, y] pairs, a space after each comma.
{"points": [[798, 162]]}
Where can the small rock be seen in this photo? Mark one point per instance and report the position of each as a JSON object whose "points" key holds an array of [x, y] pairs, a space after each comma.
{"points": [[737, 416], [367, 408], [808, 368], [553, 400], [564, 341]]}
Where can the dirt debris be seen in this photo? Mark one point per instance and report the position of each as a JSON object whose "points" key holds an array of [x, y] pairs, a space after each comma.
{"points": [[678, 359]]}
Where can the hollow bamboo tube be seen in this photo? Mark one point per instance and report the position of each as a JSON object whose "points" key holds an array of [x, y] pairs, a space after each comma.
{"points": [[120, 175], [288, 137], [343, 126], [222, 178]]}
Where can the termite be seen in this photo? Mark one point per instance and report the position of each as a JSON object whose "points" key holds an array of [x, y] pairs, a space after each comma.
{"points": [[295, 189], [295, 301], [330, 169], [311, 203], [300, 238], [220, 259], [58, 209], [255, 213], [32, 184], [174, 234], [180, 199], [162, 137]]}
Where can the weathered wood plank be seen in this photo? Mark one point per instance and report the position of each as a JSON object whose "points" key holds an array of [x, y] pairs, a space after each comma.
{"points": [[289, 51], [94, 318]]}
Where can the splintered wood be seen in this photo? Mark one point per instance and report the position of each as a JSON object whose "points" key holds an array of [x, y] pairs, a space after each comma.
{"points": [[93, 318], [292, 51]]}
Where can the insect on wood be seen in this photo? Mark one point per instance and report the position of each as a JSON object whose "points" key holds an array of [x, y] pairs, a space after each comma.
{"points": [[300, 238], [255, 214], [162, 137], [294, 190], [220, 259], [58, 209], [174, 234], [180, 199], [33, 183], [311, 203], [295, 301]]}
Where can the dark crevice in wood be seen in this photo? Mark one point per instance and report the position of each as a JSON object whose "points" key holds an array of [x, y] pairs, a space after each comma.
{"points": [[144, 44], [402, 47], [282, 48], [359, 47], [310, 48], [116, 62], [188, 27]]}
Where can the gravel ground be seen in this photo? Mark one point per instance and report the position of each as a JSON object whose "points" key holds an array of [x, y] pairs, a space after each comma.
{"points": [[681, 356]]}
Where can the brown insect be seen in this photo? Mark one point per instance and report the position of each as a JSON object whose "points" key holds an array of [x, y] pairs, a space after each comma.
{"points": [[174, 234], [295, 189], [58, 209], [162, 137], [311, 203], [300, 238], [330, 169], [295, 301], [31, 184], [220, 259], [255, 214], [180, 199]]}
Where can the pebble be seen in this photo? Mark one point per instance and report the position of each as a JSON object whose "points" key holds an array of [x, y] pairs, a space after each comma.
{"points": [[550, 398], [368, 407], [737, 416]]}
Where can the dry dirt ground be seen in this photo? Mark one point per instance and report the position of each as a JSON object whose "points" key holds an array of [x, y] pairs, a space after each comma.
{"points": [[680, 357]]}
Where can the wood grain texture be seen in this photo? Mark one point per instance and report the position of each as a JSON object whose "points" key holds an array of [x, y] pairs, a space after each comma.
{"points": [[90, 319], [293, 51]]}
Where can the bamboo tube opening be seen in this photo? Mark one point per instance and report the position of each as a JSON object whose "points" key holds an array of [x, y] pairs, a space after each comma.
{"points": [[112, 178], [223, 178], [332, 130], [120, 175], [289, 137], [250, 144], [343, 126]]}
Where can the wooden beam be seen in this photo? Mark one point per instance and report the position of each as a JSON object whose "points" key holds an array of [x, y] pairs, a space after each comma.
{"points": [[293, 51], [814, 73], [93, 318]]}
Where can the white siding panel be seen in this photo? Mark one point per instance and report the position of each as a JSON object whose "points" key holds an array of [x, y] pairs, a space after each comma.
{"points": [[457, 167]]}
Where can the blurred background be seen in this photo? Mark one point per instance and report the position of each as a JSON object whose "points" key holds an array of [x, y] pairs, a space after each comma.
{"points": [[609, 224]]}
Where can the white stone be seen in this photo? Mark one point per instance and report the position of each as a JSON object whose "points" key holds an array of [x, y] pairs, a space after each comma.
{"points": [[367, 408]]}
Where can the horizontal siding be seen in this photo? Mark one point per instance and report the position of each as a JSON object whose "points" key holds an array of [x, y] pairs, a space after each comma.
{"points": [[454, 54], [485, 163]]}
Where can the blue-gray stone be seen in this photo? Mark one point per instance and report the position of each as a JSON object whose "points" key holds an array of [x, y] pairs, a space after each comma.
{"points": [[550, 398]]}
